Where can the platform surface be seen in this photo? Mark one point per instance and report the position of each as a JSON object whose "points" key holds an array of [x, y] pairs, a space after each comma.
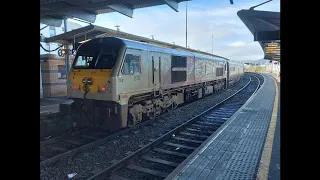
{"points": [[51, 105], [234, 151]]}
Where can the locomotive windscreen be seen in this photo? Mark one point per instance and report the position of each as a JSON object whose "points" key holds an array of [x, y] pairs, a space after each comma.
{"points": [[100, 53]]}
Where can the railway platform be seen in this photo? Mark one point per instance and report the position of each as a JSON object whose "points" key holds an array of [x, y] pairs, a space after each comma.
{"points": [[51, 105], [247, 146]]}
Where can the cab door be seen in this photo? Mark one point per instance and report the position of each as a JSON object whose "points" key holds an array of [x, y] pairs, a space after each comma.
{"points": [[133, 76], [155, 70]]}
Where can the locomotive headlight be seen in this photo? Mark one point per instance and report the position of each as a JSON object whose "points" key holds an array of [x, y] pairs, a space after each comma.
{"points": [[84, 81], [89, 81], [103, 89]]}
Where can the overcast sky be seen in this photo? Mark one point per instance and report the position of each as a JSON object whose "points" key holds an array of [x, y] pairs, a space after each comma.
{"points": [[231, 38]]}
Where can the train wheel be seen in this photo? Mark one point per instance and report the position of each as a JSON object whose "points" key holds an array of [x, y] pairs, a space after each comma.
{"points": [[130, 122], [150, 116], [172, 107]]}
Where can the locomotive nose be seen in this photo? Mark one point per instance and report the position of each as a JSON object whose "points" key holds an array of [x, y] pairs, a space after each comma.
{"points": [[94, 81]]}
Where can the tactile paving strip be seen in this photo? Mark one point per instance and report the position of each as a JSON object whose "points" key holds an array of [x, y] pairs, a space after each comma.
{"points": [[234, 175]]}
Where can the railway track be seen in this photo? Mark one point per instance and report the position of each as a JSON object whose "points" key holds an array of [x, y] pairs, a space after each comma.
{"points": [[54, 149], [160, 157], [58, 137]]}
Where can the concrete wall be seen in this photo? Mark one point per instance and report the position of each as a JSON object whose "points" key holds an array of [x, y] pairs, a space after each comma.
{"points": [[270, 67], [273, 68]]}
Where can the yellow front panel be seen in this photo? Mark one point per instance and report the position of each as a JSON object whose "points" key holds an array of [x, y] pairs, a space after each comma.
{"points": [[99, 77]]}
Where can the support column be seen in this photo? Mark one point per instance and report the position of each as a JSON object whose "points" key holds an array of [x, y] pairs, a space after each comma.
{"points": [[67, 54], [41, 89]]}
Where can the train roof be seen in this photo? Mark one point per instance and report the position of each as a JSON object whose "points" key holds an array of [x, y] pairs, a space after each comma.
{"points": [[153, 47]]}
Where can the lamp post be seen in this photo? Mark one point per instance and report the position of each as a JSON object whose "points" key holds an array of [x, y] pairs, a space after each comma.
{"points": [[187, 24], [212, 44], [67, 58], [117, 26]]}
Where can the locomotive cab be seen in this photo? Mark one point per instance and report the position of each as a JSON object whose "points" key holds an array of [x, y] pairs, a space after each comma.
{"points": [[92, 81], [92, 67]]}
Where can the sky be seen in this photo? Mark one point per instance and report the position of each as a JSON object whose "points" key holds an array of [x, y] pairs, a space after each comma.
{"points": [[231, 38]]}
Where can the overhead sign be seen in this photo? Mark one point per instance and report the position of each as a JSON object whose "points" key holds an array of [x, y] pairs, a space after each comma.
{"points": [[272, 51]]}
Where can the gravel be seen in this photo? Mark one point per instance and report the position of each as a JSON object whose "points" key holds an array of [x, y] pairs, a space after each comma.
{"points": [[185, 143], [168, 157], [192, 137], [154, 166], [47, 152], [175, 149], [134, 175], [93, 160]]}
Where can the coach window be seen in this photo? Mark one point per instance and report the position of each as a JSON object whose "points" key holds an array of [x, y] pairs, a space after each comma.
{"points": [[219, 71], [178, 69], [209, 68], [131, 64]]}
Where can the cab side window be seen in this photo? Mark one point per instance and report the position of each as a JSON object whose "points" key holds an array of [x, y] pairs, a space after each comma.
{"points": [[131, 64]]}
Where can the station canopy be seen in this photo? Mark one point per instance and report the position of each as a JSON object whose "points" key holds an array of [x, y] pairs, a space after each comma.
{"points": [[52, 12], [265, 27]]}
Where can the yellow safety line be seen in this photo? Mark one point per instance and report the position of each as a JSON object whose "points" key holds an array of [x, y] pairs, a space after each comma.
{"points": [[263, 170]]}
